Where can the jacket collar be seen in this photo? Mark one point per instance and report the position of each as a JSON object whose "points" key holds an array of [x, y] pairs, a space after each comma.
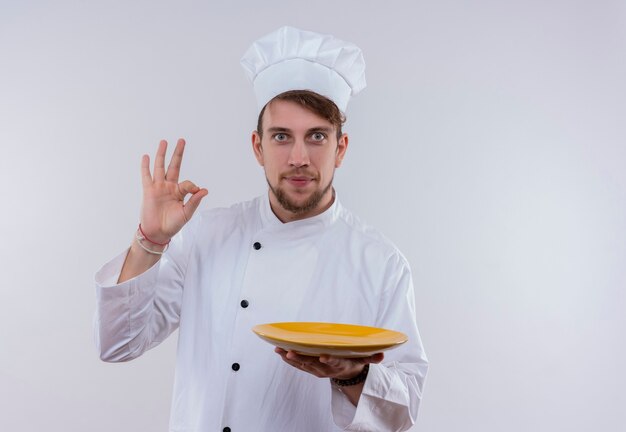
{"points": [[269, 221]]}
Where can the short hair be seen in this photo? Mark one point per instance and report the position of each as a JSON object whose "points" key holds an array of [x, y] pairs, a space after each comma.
{"points": [[316, 103]]}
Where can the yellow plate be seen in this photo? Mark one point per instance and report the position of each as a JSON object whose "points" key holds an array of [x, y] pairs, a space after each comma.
{"points": [[316, 338]]}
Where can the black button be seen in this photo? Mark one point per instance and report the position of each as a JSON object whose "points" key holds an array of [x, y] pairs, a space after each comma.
{"points": [[235, 366], [244, 303], [226, 429], [256, 245]]}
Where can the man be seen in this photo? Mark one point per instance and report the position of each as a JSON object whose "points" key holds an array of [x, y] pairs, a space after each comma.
{"points": [[293, 255]]}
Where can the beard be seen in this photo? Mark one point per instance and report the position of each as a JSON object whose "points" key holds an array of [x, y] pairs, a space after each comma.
{"points": [[299, 208]]}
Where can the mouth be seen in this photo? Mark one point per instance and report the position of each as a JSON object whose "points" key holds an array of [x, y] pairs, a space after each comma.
{"points": [[299, 181]]}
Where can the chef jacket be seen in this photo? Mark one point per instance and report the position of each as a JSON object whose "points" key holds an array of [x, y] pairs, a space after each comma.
{"points": [[231, 269]]}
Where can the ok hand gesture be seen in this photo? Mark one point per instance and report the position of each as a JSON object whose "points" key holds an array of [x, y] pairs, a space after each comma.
{"points": [[164, 211]]}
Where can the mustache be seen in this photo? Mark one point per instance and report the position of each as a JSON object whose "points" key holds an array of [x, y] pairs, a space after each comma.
{"points": [[300, 173]]}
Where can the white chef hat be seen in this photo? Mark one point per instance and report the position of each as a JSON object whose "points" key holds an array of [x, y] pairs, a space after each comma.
{"points": [[293, 59]]}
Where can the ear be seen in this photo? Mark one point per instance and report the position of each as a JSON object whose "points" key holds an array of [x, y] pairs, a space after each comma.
{"points": [[257, 148], [342, 147]]}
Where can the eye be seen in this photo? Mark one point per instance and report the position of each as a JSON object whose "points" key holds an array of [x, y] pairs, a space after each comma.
{"points": [[318, 136], [280, 137]]}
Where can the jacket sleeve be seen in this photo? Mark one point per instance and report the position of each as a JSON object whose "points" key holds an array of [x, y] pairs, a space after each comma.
{"points": [[136, 315], [393, 389]]}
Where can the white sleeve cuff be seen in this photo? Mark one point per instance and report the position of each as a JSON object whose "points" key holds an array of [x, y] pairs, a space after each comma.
{"points": [[119, 306], [109, 273], [342, 408], [383, 405]]}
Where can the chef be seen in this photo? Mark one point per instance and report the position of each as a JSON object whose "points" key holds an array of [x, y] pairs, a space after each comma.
{"points": [[293, 254]]}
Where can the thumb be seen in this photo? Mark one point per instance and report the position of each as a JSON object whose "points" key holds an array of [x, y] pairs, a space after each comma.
{"points": [[192, 205], [329, 360], [376, 358]]}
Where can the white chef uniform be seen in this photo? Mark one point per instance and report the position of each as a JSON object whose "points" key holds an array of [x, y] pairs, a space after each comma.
{"points": [[330, 268]]}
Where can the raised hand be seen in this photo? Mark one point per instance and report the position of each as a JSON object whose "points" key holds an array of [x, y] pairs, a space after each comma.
{"points": [[164, 211]]}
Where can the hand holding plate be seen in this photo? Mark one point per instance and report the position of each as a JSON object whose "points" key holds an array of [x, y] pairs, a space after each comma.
{"points": [[327, 366]]}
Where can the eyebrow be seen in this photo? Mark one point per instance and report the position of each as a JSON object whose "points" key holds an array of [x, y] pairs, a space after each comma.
{"points": [[326, 130], [276, 129]]}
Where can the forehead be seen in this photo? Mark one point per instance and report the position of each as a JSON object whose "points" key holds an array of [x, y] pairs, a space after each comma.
{"points": [[291, 115]]}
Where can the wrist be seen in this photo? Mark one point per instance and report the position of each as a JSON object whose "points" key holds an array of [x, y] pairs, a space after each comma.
{"points": [[154, 240], [148, 247], [358, 379]]}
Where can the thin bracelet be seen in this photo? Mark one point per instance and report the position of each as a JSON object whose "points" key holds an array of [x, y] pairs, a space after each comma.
{"points": [[139, 238], [151, 241], [352, 381]]}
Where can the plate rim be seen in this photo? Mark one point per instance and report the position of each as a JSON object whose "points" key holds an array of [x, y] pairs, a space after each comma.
{"points": [[348, 346]]}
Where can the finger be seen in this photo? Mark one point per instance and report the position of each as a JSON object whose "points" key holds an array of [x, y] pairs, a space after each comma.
{"points": [[309, 363], [377, 358], [146, 177], [316, 369], [194, 202], [341, 361], [173, 170], [187, 187], [159, 162], [283, 354], [299, 364], [330, 360], [295, 364], [292, 355]]}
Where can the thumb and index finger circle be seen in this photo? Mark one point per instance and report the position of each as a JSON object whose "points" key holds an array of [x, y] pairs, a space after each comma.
{"points": [[184, 188], [193, 203], [187, 187]]}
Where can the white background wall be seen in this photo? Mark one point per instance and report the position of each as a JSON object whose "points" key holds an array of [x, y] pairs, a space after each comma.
{"points": [[490, 146]]}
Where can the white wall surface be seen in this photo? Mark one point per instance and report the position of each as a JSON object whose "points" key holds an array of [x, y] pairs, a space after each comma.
{"points": [[490, 146]]}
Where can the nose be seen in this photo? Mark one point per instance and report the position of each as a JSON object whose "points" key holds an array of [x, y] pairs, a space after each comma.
{"points": [[299, 156]]}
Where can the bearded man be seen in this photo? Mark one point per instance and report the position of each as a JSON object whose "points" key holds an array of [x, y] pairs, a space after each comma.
{"points": [[293, 255]]}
